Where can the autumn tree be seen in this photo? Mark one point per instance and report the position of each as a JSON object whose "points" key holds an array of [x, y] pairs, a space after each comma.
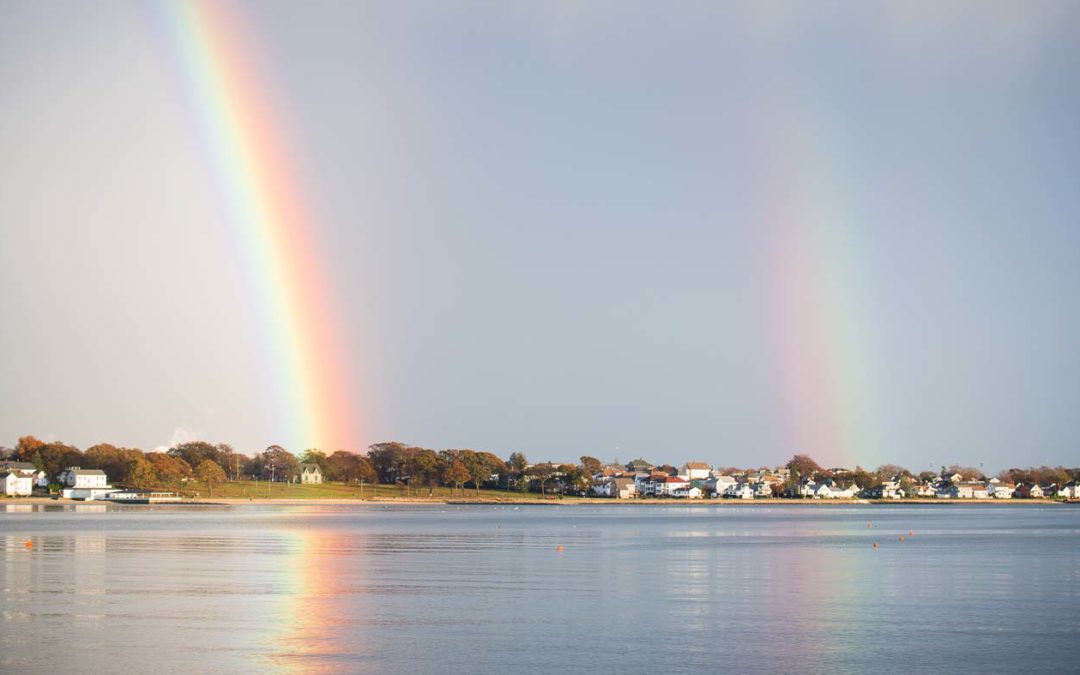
{"points": [[210, 472], [477, 466], [456, 474], [137, 469], [590, 464], [802, 466], [429, 469], [194, 452], [341, 466], [496, 465], [169, 470], [543, 472], [277, 464], [106, 457], [56, 456], [27, 450]]}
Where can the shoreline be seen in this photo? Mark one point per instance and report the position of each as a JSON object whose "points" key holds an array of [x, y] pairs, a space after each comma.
{"points": [[574, 501]]}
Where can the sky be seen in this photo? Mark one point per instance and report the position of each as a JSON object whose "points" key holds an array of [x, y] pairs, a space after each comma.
{"points": [[728, 232]]}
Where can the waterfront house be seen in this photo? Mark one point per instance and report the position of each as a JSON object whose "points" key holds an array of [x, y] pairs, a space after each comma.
{"points": [[310, 474], [623, 488], [1070, 490], [1001, 490], [75, 477], [687, 491], [16, 483], [88, 484], [1029, 491], [927, 489], [694, 471], [739, 491], [27, 468], [720, 484], [668, 485], [950, 490]]}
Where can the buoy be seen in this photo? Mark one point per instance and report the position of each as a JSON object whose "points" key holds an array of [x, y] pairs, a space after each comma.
{"points": [[875, 545], [901, 537], [560, 548], [910, 534], [28, 544]]}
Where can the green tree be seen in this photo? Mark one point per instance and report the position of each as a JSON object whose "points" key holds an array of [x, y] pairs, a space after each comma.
{"points": [[210, 472], [518, 464], [318, 457], [389, 460]]}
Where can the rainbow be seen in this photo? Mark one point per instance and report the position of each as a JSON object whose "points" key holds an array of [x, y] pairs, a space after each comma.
{"points": [[816, 298], [272, 226]]}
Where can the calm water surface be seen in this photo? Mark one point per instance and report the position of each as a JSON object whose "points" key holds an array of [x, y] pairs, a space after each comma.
{"points": [[483, 588]]}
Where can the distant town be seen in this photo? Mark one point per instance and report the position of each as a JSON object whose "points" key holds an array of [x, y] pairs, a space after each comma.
{"points": [[107, 472]]}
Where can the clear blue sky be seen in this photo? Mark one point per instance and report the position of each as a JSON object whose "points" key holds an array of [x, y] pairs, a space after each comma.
{"points": [[728, 232]]}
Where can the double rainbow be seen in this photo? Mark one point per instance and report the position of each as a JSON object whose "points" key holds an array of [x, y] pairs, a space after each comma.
{"points": [[273, 227]]}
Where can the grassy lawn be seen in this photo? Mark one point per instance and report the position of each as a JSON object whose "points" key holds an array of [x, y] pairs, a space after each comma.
{"points": [[247, 489]]}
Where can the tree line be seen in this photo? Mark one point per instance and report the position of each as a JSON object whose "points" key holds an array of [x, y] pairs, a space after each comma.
{"points": [[417, 469]]}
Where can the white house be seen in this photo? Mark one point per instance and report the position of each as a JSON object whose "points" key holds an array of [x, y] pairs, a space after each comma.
{"points": [[666, 487], [951, 490], [620, 488], [623, 488], [74, 477], [687, 492], [739, 491], [310, 474], [87, 484], [16, 484], [694, 471], [721, 483], [762, 489], [1070, 490], [1001, 490]]}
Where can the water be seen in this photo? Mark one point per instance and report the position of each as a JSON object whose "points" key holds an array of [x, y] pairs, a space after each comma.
{"points": [[484, 588]]}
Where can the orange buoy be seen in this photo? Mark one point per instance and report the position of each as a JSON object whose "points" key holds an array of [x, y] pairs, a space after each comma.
{"points": [[875, 545], [560, 548], [901, 537], [28, 544], [910, 534]]}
